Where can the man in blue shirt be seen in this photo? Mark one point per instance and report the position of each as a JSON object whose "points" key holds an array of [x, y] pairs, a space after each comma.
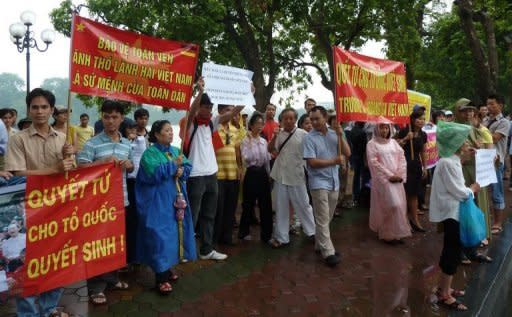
{"points": [[108, 146], [323, 160]]}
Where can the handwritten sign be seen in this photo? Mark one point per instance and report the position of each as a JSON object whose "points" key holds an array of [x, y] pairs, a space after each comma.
{"points": [[228, 85], [485, 169]]}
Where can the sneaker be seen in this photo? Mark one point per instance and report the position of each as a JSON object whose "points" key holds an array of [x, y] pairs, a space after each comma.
{"points": [[214, 255]]}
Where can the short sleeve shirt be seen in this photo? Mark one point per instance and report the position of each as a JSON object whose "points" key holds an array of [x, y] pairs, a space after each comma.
{"points": [[29, 150], [202, 153], [502, 126], [101, 147], [289, 165], [317, 145]]}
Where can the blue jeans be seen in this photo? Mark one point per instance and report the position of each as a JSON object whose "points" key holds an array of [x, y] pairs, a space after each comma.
{"points": [[498, 198], [48, 301]]}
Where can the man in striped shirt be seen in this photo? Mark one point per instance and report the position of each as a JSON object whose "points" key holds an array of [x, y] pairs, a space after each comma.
{"points": [[108, 146], [229, 163]]}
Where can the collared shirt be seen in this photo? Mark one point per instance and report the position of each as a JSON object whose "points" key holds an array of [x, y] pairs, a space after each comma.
{"points": [[319, 146], [226, 155], [29, 150], [101, 147], [255, 152], [500, 125], [289, 165]]}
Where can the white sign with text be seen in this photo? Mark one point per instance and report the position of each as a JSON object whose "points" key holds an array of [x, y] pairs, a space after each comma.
{"points": [[228, 85], [485, 168]]}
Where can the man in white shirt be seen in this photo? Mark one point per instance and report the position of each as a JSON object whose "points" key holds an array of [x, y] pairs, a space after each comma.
{"points": [[202, 183], [289, 182]]}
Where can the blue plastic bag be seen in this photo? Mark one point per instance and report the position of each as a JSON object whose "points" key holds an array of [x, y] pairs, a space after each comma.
{"points": [[472, 223]]}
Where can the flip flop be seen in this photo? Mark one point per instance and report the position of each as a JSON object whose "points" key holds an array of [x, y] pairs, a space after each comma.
{"points": [[482, 258], [164, 288], [98, 299], [496, 230], [120, 286], [455, 305]]}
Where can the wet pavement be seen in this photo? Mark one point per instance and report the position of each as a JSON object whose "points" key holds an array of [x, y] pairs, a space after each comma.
{"points": [[373, 279]]}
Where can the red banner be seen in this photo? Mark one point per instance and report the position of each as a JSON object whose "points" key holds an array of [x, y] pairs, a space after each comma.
{"points": [[75, 227], [368, 87], [118, 64]]}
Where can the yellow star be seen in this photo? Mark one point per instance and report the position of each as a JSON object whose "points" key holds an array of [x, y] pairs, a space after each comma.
{"points": [[80, 27]]}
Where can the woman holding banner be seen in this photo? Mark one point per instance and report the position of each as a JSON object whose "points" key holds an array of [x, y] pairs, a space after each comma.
{"points": [[165, 229], [413, 141]]}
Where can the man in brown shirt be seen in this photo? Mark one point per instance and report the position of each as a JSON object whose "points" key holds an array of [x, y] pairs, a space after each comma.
{"points": [[39, 150]]}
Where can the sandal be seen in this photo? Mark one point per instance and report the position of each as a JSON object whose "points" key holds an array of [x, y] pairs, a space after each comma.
{"points": [[164, 288], [98, 299], [120, 286], [57, 313], [496, 229], [482, 258], [276, 244], [455, 305], [453, 292], [173, 277]]}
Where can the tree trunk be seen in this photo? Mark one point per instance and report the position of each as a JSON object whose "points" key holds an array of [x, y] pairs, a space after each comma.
{"points": [[485, 84]]}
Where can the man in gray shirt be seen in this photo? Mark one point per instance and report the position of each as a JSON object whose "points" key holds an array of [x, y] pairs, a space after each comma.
{"points": [[499, 127]]}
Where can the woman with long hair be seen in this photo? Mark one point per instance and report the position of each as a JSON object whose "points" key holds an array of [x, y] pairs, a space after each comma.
{"points": [[413, 140]]}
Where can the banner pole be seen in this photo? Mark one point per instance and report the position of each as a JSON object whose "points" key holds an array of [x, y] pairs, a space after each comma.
{"points": [[335, 98]]}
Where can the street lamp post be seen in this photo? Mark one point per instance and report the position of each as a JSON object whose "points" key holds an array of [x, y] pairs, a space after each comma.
{"points": [[23, 37]]}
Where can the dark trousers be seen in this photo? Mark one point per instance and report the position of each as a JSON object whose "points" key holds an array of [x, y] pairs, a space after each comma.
{"points": [[202, 194], [452, 248], [358, 165], [162, 277], [227, 201], [131, 222], [256, 186]]}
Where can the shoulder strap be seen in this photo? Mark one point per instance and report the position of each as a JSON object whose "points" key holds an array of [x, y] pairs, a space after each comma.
{"points": [[285, 141]]}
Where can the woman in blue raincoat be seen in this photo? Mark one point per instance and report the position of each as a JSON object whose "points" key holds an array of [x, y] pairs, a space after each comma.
{"points": [[165, 228]]}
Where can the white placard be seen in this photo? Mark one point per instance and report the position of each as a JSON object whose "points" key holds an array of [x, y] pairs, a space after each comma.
{"points": [[485, 168], [228, 85]]}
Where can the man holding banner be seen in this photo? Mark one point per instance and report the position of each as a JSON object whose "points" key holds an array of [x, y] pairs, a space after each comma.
{"points": [[108, 146], [39, 150], [323, 159]]}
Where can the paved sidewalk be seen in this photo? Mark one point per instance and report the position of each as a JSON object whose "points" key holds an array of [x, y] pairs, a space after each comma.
{"points": [[373, 279]]}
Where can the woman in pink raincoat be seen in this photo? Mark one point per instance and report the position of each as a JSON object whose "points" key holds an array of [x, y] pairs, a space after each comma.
{"points": [[388, 204]]}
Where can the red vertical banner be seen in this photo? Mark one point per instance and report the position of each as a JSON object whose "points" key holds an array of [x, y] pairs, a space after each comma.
{"points": [[367, 88], [75, 227], [119, 64]]}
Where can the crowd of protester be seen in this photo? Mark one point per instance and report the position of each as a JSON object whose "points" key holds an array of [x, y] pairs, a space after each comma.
{"points": [[294, 171]]}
